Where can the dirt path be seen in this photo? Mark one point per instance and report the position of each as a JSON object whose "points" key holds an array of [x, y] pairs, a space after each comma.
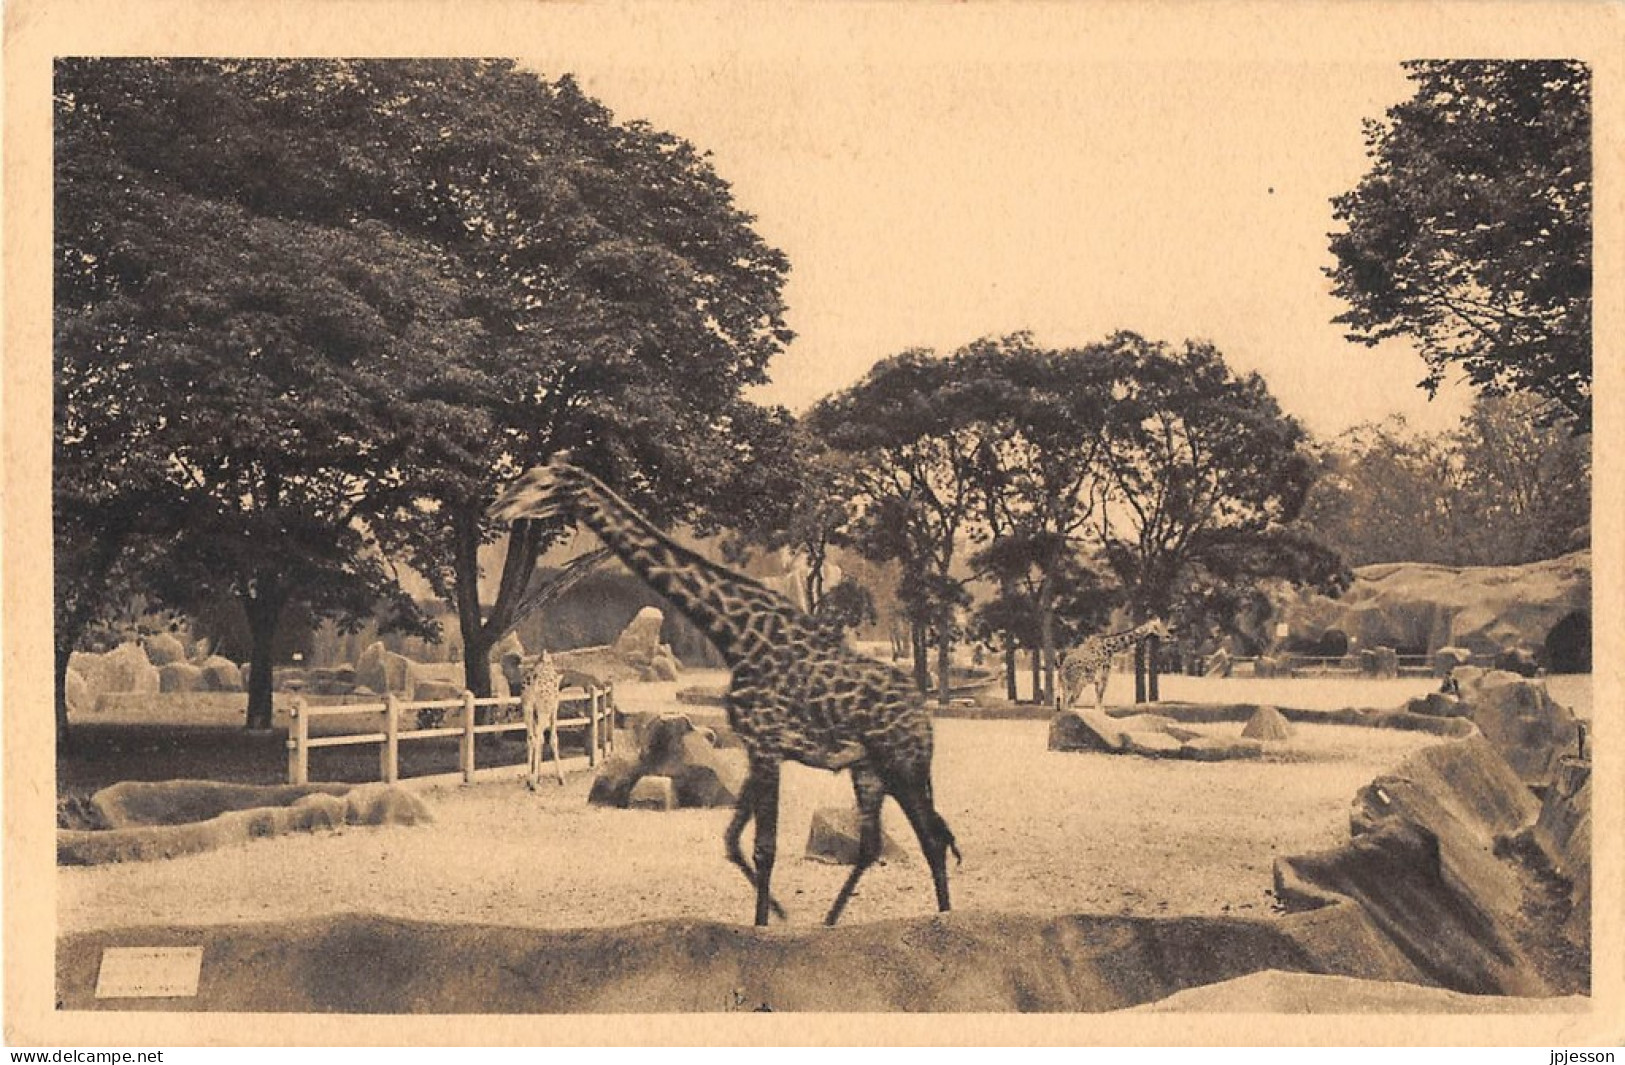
{"points": [[1042, 832]]}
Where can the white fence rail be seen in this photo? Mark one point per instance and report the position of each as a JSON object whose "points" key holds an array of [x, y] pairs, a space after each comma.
{"points": [[592, 709]]}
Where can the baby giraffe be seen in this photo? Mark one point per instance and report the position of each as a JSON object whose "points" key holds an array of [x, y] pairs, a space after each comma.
{"points": [[798, 692]]}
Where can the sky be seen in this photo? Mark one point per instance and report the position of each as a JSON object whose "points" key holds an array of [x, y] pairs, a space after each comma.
{"points": [[929, 196]]}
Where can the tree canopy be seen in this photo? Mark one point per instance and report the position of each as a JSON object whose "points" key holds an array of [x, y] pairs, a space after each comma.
{"points": [[349, 298], [1471, 233]]}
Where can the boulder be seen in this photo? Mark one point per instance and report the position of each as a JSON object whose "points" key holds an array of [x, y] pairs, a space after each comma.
{"points": [[1266, 666], [1220, 749], [663, 666], [1446, 660], [430, 691], [1219, 664], [1153, 744], [123, 669], [833, 837], [1267, 724], [383, 670], [639, 642], [1522, 721], [613, 784], [164, 649], [79, 697], [180, 677], [221, 675], [1519, 660], [1379, 662], [1437, 704], [385, 804], [1482, 609], [1084, 730], [653, 793]]}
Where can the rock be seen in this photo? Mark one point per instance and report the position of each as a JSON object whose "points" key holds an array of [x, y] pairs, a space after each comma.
{"points": [[383, 670], [1267, 724], [653, 793], [1522, 721], [124, 669], [1218, 749], [1154, 744], [1084, 730], [164, 649], [180, 677], [385, 804], [664, 666], [433, 691], [79, 697], [1144, 723], [1219, 664], [1437, 704], [613, 784], [1519, 660], [1483, 609], [1266, 666], [639, 642], [1447, 660], [1379, 662], [221, 675], [833, 837]]}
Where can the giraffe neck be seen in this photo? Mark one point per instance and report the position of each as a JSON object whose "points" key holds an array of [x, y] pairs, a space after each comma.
{"points": [[1123, 640], [739, 616]]}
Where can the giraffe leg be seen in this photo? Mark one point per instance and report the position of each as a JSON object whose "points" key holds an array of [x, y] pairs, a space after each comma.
{"points": [[871, 793], [1101, 678], [935, 838], [767, 838], [744, 811], [553, 737]]}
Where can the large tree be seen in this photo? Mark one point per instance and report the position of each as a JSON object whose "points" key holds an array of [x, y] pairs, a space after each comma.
{"points": [[1471, 234], [590, 284], [912, 447], [1207, 480]]}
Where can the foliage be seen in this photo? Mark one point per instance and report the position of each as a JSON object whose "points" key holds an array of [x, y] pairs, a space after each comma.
{"points": [[1471, 234], [409, 280], [1502, 489], [1207, 479]]}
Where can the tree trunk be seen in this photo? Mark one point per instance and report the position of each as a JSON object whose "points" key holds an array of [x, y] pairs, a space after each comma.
{"points": [[477, 661], [1010, 669], [264, 609], [1139, 672], [945, 648], [1151, 648], [922, 663], [1038, 676], [64, 651], [1046, 651]]}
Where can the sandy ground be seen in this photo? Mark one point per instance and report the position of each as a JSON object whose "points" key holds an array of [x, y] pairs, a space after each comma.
{"points": [[1042, 832]]}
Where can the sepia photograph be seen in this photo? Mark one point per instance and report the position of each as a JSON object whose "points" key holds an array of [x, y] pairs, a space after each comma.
{"points": [[871, 523]]}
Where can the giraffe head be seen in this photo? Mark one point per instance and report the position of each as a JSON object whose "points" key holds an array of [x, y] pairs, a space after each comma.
{"points": [[1156, 627], [541, 492]]}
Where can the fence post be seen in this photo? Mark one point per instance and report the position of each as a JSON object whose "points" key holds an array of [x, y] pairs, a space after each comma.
{"points": [[466, 750], [388, 764], [592, 726], [298, 751]]}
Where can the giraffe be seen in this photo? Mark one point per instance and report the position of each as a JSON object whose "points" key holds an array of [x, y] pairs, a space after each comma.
{"points": [[798, 692], [539, 700], [1092, 660]]}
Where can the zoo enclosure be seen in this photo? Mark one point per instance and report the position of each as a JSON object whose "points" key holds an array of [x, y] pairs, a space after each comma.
{"points": [[595, 713]]}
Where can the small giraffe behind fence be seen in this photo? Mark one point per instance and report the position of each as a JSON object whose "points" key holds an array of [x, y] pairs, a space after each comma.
{"points": [[1091, 661]]}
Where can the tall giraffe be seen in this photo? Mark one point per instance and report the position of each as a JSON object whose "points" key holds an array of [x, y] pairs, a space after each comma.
{"points": [[798, 692], [1092, 660]]}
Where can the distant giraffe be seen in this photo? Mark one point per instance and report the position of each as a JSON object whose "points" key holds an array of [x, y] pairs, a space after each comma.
{"points": [[1092, 660], [539, 701], [798, 692]]}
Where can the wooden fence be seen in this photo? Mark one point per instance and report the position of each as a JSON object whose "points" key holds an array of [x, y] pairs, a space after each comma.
{"points": [[596, 715]]}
